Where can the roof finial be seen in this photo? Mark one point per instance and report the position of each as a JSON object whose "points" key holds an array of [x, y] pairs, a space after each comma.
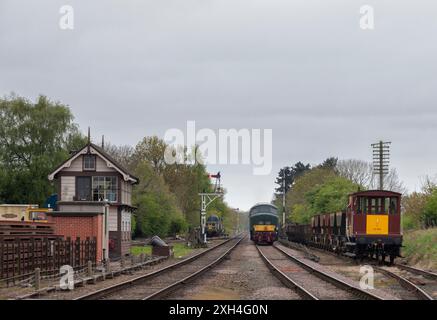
{"points": [[103, 142], [89, 135]]}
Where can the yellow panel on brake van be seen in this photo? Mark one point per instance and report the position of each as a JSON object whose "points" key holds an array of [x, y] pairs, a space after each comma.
{"points": [[377, 224], [264, 227]]}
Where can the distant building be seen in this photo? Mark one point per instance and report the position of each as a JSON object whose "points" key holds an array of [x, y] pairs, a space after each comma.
{"points": [[85, 183]]}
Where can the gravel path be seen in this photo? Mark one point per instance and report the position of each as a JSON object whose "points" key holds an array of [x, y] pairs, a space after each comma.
{"points": [[242, 276]]}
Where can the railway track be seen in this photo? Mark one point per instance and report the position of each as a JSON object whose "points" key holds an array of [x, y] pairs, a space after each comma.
{"points": [[402, 274], [408, 280], [425, 273], [309, 281], [160, 283]]}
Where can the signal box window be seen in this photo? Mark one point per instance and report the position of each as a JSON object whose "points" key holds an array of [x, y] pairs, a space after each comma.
{"points": [[83, 188], [89, 162], [105, 188]]}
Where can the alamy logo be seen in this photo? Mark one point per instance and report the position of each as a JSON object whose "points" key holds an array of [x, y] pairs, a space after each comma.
{"points": [[367, 280], [231, 146], [66, 22], [367, 20], [67, 279]]}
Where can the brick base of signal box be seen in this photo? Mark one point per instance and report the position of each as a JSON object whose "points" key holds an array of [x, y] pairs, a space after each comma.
{"points": [[79, 225]]}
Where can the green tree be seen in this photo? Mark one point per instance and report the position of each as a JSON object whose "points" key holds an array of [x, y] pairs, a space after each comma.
{"points": [[414, 205], [329, 163], [185, 181], [331, 196], [429, 216], [319, 190], [306, 183], [175, 185], [419, 206], [290, 174], [151, 149], [34, 138], [157, 211]]}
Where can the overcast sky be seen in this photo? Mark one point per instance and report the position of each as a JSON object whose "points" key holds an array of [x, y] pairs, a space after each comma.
{"points": [[302, 68]]}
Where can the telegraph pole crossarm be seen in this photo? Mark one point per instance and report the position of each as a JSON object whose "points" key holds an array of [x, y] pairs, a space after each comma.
{"points": [[381, 160]]}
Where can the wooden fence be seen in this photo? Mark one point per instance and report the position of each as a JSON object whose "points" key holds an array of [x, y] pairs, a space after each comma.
{"points": [[26, 228], [21, 256]]}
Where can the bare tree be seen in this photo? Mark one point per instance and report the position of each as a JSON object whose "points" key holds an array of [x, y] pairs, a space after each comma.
{"points": [[357, 171], [391, 182], [361, 172], [429, 184], [122, 154]]}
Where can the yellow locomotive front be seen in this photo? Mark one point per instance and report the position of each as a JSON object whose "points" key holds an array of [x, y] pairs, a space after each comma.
{"points": [[374, 223]]}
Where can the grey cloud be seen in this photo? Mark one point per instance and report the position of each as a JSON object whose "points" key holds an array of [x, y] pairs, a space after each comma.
{"points": [[302, 68]]}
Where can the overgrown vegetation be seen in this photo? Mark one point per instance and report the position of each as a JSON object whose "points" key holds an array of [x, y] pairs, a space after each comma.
{"points": [[180, 250], [420, 247], [420, 208]]}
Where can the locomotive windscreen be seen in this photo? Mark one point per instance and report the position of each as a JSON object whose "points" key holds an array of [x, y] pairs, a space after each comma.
{"points": [[263, 209]]}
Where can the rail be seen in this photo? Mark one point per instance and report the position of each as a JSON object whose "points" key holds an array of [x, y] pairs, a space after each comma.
{"points": [[332, 279], [114, 288]]}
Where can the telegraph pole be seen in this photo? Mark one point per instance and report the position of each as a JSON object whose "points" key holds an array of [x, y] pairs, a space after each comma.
{"points": [[283, 199], [381, 160]]}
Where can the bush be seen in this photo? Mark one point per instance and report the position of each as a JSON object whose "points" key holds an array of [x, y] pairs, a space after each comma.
{"points": [[178, 225], [429, 216], [157, 213], [331, 196], [409, 222]]}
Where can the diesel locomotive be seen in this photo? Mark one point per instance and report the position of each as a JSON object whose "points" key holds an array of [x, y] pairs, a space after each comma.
{"points": [[263, 220], [370, 226], [214, 226]]}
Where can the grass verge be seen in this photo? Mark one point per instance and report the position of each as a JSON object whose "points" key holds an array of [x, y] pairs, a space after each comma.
{"points": [[420, 248], [180, 250]]}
